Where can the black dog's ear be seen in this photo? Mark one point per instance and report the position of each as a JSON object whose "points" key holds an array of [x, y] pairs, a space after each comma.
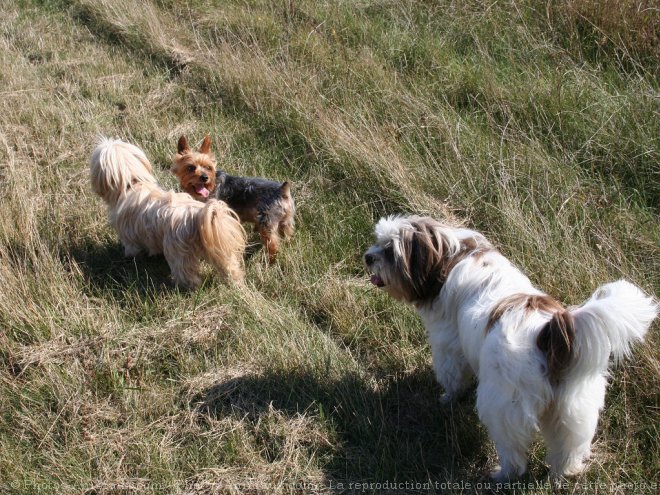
{"points": [[206, 145], [182, 146], [285, 188]]}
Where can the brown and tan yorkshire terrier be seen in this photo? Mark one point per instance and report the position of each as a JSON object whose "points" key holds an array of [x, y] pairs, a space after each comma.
{"points": [[267, 204], [148, 218]]}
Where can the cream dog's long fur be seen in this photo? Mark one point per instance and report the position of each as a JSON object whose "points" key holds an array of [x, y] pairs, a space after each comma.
{"points": [[148, 218]]}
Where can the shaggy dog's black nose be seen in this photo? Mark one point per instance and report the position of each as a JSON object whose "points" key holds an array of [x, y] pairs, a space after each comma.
{"points": [[204, 178], [368, 258]]}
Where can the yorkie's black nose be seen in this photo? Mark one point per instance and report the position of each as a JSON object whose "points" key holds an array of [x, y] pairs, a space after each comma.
{"points": [[369, 258], [204, 178]]}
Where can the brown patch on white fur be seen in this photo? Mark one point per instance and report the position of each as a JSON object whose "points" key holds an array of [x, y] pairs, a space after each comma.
{"points": [[425, 261], [195, 170], [556, 340], [530, 302], [470, 248], [422, 260], [556, 337]]}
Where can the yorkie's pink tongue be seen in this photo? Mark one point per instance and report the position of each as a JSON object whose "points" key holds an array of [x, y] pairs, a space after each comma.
{"points": [[202, 191], [377, 281]]}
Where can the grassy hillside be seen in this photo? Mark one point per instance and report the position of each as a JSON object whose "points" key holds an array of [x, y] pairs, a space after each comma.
{"points": [[538, 125]]}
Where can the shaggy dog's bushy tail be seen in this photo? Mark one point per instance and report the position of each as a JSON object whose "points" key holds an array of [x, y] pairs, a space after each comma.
{"points": [[616, 316], [223, 238], [579, 342]]}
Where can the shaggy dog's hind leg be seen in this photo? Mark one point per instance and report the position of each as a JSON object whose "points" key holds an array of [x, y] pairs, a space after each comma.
{"points": [[509, 425], [570, 426]]}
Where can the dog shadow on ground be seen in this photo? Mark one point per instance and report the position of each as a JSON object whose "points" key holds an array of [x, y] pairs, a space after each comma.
{"points": [[395, 430], [107, 270]]}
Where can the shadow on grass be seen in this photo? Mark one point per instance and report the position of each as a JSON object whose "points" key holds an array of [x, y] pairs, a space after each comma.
{"points": [[109, 273], [396, 430], [107, 270]]}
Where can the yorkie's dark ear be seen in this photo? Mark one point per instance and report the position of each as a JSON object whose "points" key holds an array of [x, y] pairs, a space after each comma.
{"points": [[206, 145], [183, 147], [285, 188]]}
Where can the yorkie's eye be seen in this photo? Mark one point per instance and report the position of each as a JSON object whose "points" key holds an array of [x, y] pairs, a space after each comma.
{"points": [[191, 168]]}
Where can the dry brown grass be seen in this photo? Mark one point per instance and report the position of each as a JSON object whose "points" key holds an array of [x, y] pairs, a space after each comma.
{"points": [[626, 29]]}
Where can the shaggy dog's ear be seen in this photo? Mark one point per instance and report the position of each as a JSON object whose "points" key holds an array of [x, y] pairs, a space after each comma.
{"points": [[182, 146], [420, 256]]}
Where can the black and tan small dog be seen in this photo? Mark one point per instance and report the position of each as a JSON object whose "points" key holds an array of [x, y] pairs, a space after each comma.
{"points": [[267, 204]]}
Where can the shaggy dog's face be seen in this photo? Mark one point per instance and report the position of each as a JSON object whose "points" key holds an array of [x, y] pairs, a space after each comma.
{"points": [[195, 169], [409, 258]]}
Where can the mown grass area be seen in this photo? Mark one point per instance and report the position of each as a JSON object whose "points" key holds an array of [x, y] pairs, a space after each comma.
{"points": [[538, 126]]}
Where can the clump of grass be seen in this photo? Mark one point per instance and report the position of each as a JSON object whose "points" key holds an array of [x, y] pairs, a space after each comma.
{"points": [[624, 32]]}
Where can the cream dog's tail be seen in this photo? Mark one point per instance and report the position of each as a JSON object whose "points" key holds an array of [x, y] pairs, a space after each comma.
{"points": [[223, 238]]}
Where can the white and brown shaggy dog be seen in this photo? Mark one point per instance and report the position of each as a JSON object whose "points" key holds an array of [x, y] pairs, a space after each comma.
{"points": [[538, 364], [148, 218]]}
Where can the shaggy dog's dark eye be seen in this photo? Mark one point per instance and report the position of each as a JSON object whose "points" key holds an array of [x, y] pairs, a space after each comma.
{"points": [[388, 254], [191, 168]]}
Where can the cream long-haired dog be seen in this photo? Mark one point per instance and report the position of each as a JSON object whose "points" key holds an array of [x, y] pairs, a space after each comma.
{"points": [[148, 218], [538, 364]]}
